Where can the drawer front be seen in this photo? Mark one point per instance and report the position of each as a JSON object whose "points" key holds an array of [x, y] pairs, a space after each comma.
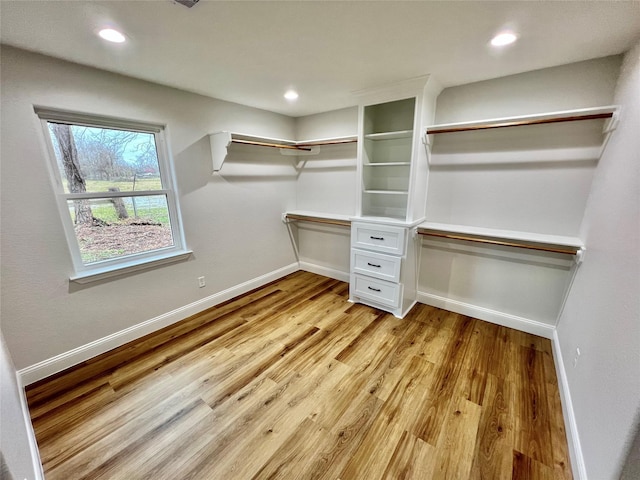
{"points": [[379, 291], [377, 265], [381, 238]]}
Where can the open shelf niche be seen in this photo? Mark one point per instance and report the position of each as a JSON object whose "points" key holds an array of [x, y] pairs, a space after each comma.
{"points": [[388, 131]]}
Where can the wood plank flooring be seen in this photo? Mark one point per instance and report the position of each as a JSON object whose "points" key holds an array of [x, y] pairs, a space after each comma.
{"points": [[291, 381]]}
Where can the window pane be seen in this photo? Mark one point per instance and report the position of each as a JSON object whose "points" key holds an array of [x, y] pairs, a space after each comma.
{"points": [[110, 228], [93, 159]]}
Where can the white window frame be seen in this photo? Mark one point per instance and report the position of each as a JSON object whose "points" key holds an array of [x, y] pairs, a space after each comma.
{"points": [[85, 273]]}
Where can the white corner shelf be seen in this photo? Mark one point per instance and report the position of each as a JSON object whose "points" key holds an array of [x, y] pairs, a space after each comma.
{"points": [[570, 245], [221, 142]]}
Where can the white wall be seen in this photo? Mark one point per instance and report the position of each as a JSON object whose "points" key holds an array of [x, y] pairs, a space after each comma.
{"points": [[17, 441], [327, 183], [534, 184], [576, 85], [602, 314], [228, 217]]}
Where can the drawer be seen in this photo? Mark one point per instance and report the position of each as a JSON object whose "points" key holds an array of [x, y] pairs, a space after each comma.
{"points": [[379, 291], [381, 238], [377, 265]]}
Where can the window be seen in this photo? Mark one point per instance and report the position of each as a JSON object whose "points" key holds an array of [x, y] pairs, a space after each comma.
{"points": [[115, 193]]}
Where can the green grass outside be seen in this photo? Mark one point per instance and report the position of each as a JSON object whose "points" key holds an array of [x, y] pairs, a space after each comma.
{"points": [[123, 185], [107, 212]]}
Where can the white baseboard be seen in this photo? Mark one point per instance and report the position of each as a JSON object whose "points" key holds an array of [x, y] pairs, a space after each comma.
{"points": [[325, 271], [570, 426], [68, 359], [493, 316], [31, 436]]}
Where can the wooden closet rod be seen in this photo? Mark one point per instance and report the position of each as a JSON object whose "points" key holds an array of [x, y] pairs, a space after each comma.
{"points": [[300, 146], [530, 246], [328, 142], [517, 123], [330, 221], [271, 145]]}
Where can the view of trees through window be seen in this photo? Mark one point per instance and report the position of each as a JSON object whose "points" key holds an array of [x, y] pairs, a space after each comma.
{"points": [[132, 216]]}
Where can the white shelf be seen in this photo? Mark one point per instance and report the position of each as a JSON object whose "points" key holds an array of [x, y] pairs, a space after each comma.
{"points": [[388, 192], [388, 164], [538, 238], [608, 111], [389, 135], [220, 143], [387, 220]]}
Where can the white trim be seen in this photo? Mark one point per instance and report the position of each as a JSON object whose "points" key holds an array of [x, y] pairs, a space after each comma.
{"points": [[68, 359], [121, 268], [122, 194], [325, 271], [570, 425], [493, 316], [93, 120], [31, 436]]}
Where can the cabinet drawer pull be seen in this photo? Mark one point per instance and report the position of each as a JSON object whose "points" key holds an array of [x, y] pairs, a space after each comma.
{"points": [[374, 265], [374, 289], [376, 238]]}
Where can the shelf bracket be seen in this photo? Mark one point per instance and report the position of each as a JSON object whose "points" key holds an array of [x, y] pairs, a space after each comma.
{"points": [[219, 148], [608, 129]]}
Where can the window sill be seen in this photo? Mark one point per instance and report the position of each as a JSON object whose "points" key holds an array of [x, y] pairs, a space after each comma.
{"points": [[129, 267]]}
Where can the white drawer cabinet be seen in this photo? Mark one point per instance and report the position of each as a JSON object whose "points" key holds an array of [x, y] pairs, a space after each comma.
{"points": [[383, 266]]}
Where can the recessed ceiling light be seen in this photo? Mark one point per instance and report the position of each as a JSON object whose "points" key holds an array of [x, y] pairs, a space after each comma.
{"points": [[504, 38], [112, 35], [291, 95]]}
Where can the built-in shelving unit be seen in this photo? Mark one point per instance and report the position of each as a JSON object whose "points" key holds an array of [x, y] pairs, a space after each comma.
{"points": [[221, 143], [386, 158], [391, 194]]}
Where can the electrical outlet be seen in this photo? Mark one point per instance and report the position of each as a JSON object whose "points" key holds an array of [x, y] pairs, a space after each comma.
{"points": [[577, 356], [201, 282]]}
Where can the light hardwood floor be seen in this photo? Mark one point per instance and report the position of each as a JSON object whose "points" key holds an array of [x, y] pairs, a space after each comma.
{"points": [[292, 381]]}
